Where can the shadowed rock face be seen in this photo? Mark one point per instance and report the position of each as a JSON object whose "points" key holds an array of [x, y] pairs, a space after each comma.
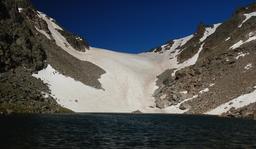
{"points": [[75, 41], [18, 44], [219, 69]]}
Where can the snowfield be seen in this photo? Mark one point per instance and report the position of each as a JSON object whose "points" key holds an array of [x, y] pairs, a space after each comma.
{"points": [[128, 84]]}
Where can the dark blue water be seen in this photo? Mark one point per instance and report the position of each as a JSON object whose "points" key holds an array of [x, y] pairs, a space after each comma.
{"points": [[125, 131]]}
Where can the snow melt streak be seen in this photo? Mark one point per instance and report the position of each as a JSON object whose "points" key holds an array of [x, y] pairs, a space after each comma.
{"points": [[252, 37], [247, 17]]}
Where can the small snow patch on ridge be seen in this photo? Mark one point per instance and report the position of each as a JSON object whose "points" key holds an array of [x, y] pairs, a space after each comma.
{"points": [[178, 43], [20, 10], [227, 39], [209, 31], [79, 38], [204, 90], [248, 16], [184, 92], [212, 84]]}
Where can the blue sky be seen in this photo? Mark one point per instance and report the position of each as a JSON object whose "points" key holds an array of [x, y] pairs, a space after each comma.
{"points": [[135, 26]]}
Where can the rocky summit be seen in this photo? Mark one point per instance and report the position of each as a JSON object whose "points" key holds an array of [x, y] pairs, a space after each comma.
{"points": [[46, 69]]}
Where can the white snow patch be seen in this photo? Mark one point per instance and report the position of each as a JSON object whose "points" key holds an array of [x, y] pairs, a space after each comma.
{"points": [[163, 96], [45, 95], [66, 89], [237, 45], [212, 84], [248, 66], [239, 102], [247, 17], [184, 92], [204, 90], [209, 31], [20, 10], [227, 39], [79, 38], [43, 32], [241, 42], [241, 54], [251, 34], [175, 109]]}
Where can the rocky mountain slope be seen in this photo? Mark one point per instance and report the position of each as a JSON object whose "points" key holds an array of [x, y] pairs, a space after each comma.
{"points": [[222, 81], [44, 68], [24, 50]]}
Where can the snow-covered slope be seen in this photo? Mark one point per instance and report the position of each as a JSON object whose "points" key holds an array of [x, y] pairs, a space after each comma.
{"points": [[128, 84], [208, 72]]}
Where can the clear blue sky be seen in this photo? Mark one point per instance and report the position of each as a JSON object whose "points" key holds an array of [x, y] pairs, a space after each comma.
{"points": [[135, 26]]}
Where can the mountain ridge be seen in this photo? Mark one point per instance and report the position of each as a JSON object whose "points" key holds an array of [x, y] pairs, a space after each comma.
{"points": [[183, 76]]}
